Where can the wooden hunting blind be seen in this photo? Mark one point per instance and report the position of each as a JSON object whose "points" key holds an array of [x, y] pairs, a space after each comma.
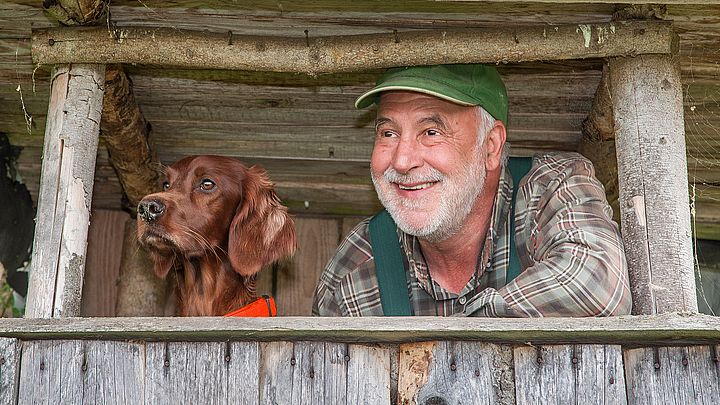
{"points": [[664, 353]]}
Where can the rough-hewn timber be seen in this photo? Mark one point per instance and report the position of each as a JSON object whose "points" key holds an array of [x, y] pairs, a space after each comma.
{"points": [[173, 47]]}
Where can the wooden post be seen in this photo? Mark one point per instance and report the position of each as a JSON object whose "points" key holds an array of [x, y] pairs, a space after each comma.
{"points": [[68, 170], [652, 170]]}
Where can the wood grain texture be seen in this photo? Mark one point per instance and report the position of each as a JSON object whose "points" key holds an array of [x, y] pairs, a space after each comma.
{"points": [[63, 212], [296, 280], [347, 53], [102, 268], [665, 375], [658, 329], [652, 175], [455, 373], [368, 375], [76, 371], [9, 370], [201, 372], [582, 374]]}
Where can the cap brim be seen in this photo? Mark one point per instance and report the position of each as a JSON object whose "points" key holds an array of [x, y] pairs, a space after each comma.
{"points": [[448, 94]]}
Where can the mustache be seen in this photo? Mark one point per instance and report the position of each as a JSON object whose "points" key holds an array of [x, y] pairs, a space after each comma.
{"points": [[392, 176]]}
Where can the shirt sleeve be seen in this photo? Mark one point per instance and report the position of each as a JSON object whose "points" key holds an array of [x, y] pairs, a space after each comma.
{"points": [[569, 246]]}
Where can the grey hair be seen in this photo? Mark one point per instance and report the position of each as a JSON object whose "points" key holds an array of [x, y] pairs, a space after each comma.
{"points": [[487, 122]]}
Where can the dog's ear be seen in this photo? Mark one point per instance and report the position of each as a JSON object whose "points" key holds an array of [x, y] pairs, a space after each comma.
{"points": [[262, 231]]}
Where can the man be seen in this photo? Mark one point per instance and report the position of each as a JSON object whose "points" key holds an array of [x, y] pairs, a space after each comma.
{"points": [[439, 168]]}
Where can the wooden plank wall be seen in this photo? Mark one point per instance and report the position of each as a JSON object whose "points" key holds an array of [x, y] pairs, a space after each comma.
{"points": [[86, 371]]}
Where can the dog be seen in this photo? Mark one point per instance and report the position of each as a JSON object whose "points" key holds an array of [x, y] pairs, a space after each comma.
{"points": [[217, 223]]}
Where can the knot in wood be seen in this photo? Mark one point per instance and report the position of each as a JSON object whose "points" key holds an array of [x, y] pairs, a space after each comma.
{"points": [[293, 361], [436, 400]]}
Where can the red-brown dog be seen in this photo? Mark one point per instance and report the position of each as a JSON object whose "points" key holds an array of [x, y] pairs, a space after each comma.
{"points": [[218, 223]]}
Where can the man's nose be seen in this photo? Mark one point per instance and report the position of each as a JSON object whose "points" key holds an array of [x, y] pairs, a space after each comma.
{"points": [[407, 155]]}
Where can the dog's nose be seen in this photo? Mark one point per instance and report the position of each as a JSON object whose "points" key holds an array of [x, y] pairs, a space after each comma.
{"points": [[150, 210]]}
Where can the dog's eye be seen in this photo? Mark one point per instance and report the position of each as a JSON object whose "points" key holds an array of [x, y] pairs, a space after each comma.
{"points": [[165, 185], [207, 184]]}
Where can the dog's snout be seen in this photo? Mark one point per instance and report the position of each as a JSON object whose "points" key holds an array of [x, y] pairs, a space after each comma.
{"points": [[150, 210]]}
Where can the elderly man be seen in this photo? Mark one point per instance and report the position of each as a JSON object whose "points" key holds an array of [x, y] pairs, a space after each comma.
{"points": [[462, 237]]}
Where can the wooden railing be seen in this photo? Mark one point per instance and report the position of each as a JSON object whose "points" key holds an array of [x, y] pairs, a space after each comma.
{"points": [[671, 358]]}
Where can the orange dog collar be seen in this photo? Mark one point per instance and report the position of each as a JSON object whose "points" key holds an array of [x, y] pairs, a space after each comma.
{"points": [[261, 307]]}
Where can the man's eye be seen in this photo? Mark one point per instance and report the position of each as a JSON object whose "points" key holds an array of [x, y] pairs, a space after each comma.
{"points": [[387, 134], [207, 184], [432, 132], [165, 185]]}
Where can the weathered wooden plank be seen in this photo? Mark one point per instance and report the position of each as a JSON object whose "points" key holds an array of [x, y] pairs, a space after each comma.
{"points": [[455, 373], [113, 372], [105, 239], [336, 358], [296, 280], [67, 182], [368, 375], [670, 329], [276, 371], [75, 371], [51, 372], [679, 375], [243, 373], [294, 373], [200, 372], [651, 155], [587, 374], [9, 371], [347, 53]]}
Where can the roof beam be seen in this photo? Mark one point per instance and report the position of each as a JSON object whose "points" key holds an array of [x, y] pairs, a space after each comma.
{"points": [[195, 49]]}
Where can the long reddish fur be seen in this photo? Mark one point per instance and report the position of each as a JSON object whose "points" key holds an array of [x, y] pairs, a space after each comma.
{"points": [[216, 241]]}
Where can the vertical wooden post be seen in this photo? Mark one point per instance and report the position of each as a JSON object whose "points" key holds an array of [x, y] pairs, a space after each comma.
{"points": [[652, 172], [68, 170]]}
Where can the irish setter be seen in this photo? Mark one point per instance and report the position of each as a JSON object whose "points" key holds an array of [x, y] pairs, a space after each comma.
{"points": [[218, 223]]}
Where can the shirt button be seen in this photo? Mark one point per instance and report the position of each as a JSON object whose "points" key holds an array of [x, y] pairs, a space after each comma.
{"points": [[462, 300]]}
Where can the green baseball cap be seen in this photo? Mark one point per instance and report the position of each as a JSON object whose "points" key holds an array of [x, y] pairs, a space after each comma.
{"points": [[464, 84]]}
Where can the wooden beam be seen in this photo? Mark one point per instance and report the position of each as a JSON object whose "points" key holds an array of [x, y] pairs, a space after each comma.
{"points": [[652, 170], [125, 132], [669, 329], [193, 49], [68, 170]]}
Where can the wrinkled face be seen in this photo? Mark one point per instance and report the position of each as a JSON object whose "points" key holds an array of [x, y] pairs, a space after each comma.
{"points": [[426, 165], [193, 213]]}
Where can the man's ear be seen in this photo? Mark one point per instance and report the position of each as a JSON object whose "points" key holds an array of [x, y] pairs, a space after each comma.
{"points": [[494, 145], [262, 231]]}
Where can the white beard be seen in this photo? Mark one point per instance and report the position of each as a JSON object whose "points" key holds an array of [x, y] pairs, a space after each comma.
{"points": [[454, 196]]}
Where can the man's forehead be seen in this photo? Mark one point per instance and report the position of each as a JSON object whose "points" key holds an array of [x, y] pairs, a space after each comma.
{"points": [[420, 108]]}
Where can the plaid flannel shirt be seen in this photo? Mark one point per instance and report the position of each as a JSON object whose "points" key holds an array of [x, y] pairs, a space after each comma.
{"points": [[569, 247]]}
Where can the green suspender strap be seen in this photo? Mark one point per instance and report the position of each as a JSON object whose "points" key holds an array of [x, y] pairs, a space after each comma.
{"points": [[519, 167], [389, 265]]}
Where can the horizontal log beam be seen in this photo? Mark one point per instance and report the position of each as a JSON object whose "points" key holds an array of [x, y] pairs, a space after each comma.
{"points": [[193, 49], [665, 329]]}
